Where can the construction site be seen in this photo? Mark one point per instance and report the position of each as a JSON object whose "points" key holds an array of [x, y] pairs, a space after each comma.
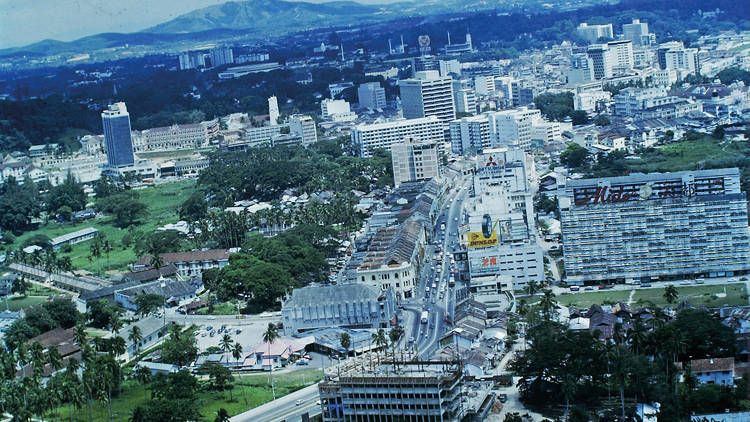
{"points": [[397, 386]]}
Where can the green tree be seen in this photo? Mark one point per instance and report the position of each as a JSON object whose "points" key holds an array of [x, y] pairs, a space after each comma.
{"points": [[269, 336], [670, 294], [135, 336], [148, 303], [194, 208], [575, 156], [179, 348], [346, 341], [19, 286], [602, 120]]}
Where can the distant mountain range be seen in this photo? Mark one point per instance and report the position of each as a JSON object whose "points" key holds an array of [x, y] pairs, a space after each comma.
{"points": [[261, 19]]}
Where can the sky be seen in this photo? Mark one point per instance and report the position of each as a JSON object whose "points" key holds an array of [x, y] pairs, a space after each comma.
{"points": [[24, 22]]}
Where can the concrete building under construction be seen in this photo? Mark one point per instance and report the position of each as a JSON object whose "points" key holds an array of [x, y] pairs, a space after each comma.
{"points": [[397, 389]]}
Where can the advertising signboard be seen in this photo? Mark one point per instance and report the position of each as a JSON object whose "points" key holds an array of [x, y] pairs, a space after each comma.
{"points": [[478, 240]]}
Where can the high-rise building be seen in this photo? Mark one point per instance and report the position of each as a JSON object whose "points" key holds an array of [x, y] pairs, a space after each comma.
{"points": [[192, 60], [581, 69], [336, 110], [592, 33], [631, 100], [510, 87], [304, 127], [428, 94], [448, 67], [657, 226], [470, 134], [623, 54], [273, 110], [464, 97], [371, 95], [415, 160], [367, 138], [513, 128], [674, 56], [501, 234], [484, 84], [117, 135], [424, 63], [221, 56], [637, 33], [615, 56]]}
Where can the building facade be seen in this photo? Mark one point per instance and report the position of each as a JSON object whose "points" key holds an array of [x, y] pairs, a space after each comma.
{"points": [[470, 134], [367, 138], [415, 160], [371, 95], [171, 138], [117, 137], [644, 227], [637, 33], [304, 127], [592, 33], [513, 128], [427, 94]]}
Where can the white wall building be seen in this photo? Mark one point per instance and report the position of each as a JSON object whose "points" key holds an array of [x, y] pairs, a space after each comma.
{"points": [[336, 110], [484, 85], [427, 94], [371, 95], [448, 67], [470, 134], [415, 160], [637, 33], [592, 33], [304, 127], [367, 138], [512, 128], [273, 110]]}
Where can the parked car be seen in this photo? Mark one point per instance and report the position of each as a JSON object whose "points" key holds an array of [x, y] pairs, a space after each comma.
{"points": [[502, 397], [302, 362]]}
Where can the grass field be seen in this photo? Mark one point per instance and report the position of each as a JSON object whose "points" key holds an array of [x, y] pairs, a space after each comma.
{"points": [[257, 390], [685, 155], [162, 202], [17, 303], [223, 308], [712, 296]]}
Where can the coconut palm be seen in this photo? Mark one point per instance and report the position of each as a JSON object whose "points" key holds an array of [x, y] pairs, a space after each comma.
{"points": [[222, 415], [226, 344], [237, 355], [671, 294], [135, 337], [269, 336], [79, 334]]}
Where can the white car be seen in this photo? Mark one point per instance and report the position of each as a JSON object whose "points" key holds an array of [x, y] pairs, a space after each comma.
{"points": [[299, 402]]}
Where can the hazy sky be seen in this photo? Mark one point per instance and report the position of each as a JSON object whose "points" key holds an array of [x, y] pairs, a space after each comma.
{"points": [[27, 21]]}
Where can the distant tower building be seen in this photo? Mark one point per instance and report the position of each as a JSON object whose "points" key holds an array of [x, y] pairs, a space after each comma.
{"points": [[428, 94], [592, 33], [371, 95], [221, 56], [273, 110], [637, 32], [414, 160], [581, 69], [304, 127], [117, 136], [464, 97]]}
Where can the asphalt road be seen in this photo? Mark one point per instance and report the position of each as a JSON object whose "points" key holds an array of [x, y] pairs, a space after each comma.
{"points": [[285, 408]]}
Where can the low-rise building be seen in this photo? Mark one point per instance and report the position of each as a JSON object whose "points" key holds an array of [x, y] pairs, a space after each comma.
{"points": [[172, 291], [72, 238], [713, 370], [190, 263], [352, 305]]}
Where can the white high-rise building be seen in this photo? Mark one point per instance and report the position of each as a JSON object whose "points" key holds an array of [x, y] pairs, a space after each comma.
{"points": [[448, 67], [273, 110], [674, 56], [371, 95], [304, 127], [415, 160], [503, 207], [623, 54], [615, 56], [513, 128], [470, 134], [427, 94], [592, 33], [367, 138], [221, 56], [484, 85], [637, 33], [581, 69]]}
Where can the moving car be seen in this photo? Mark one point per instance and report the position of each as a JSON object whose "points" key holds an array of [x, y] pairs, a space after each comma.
{"points": [[298, 402]]}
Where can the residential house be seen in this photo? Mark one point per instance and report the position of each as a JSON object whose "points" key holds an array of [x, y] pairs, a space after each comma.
{"points": [[278, 354], [713, 370], [190, 263]]}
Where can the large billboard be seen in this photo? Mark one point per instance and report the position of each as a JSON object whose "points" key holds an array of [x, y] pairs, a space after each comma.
{"points": [[478, 240], [484, 264]]}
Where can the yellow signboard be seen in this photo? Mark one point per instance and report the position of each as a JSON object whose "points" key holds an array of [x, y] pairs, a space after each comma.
{"points": [[477, 240]]}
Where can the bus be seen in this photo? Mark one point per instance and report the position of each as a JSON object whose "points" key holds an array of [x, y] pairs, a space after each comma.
{"points": [[425, 314]]}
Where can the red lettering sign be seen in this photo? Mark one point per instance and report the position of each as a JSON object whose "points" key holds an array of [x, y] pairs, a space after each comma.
{"points": [[604, 196]]}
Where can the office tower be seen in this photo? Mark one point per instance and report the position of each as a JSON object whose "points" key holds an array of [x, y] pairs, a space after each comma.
{"points": [[622, 54], [371, 95], [273, 110], [304, 127], [428, 94], [336, 110], [484, 84], [602, 59], [448, 67], [513, 128], [415, 160], [592, 33], [674, 56], [466, 101], [510, 88], [117, 135], [581, 69], [367, 138], [470, 134], [221, 56], [657, 226], [637, 33]]}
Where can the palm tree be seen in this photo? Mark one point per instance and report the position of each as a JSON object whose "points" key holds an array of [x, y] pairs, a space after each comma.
{"points": [[143, 376], [531, 288], [95, 251], [548, 304], [346, 342], [237, 355], [115, 324], [54, 359], [79, 335], [637, 335], [269, 336], [107, 248], [380, 339], [671, 294], [157, 261], [226, 344], [135, 337]]}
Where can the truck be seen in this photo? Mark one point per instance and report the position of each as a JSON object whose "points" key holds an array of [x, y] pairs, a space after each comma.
{"points": [[425, 315]]}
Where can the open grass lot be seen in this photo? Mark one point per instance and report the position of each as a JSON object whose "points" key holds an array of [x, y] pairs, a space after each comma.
{"points": [[17, 303], [223, 308], [162, 201], [713, 296], [684, 155], [586, 299], [257, 390]]}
